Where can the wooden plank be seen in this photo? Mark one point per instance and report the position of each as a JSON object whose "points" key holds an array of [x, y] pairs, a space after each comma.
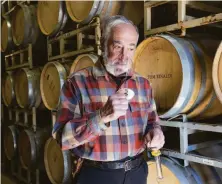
{"points": [[211, 25], [147, 18], [30, 56], [90, 37], [193, 125], [181, 11], [203, 7], [54, 117], [72, 33], [187, 24], [62, 46], [21, 57], [73, 53], [80, 36], [9, 12], [17, 66], [155, 3], [202, 145], [193, 158], [98, 38], [17, 52]]}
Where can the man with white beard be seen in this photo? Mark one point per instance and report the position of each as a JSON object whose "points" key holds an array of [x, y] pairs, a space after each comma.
{"points": [[108, 115]]}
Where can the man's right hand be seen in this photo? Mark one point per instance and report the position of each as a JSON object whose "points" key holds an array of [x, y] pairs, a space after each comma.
{"points": [[115, 107]]}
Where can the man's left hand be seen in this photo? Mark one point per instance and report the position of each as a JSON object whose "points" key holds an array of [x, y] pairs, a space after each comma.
{"points": [[155, 139]]}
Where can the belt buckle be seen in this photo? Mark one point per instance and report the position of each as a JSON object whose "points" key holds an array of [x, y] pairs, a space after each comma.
{"points": [[127, 165]]}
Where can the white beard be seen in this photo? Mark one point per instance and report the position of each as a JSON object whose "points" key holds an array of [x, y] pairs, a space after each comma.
{"points": [[116, 69]]}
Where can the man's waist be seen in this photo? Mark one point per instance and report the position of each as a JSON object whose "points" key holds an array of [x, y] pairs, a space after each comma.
{"points": [[126, 163]]}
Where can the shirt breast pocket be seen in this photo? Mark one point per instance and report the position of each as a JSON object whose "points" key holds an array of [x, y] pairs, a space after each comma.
{"points": [[139, 115], [136, 106]]}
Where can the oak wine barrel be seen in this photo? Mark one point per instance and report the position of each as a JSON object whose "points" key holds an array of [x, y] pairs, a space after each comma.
{"points": [[217, 72], [83, 11], [210, 105], [83, 61], [180, 73], [25, 28], [31, 148], [11, 141], [53, 76], [133, 10], [212, 152], [27, 87], [58, 163], [173, 172], [8, 89], [51, 23], [6, 34]]}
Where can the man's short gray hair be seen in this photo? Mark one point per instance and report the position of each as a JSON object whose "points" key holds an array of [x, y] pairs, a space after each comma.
{"points": [[111, 21]]}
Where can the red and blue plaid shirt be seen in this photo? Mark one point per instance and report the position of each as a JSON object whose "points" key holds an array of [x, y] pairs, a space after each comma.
{"points": [[79, 128]]}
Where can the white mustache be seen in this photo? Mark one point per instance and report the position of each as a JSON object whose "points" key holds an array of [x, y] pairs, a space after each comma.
{"points": [[117, 62]]}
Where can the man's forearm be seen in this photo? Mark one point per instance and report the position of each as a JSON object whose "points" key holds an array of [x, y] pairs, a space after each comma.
{"points": [[80, 131]]}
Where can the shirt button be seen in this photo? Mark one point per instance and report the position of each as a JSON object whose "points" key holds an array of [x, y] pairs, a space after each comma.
{"points": [[123, 124], [124, 141]]}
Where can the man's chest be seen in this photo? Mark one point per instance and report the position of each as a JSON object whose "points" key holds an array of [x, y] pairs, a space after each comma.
{"points": [[94, 95]]}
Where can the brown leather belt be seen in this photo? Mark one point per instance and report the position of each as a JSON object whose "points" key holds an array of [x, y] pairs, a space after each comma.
{"points": [[126, 164]]}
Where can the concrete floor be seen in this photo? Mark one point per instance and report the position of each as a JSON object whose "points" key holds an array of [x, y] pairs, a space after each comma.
{"points": [[6, 180]]}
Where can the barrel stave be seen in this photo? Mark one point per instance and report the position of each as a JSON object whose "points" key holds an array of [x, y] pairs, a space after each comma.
{"points": [[27, 87]]}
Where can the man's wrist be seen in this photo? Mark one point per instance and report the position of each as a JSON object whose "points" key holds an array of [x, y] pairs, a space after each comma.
{"points": [[102, 121], [101, 114], [157, 126]]}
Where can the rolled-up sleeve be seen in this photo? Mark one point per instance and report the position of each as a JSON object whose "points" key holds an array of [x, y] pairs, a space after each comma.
{"points": [[73, 127]]}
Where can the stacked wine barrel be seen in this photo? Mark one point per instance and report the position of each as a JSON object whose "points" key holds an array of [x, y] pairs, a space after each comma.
{"points": [[6, 34], [59, 163], [184, 77], [21, 89], [63, 14], [180, 71], [54, 75], [217, 72]]}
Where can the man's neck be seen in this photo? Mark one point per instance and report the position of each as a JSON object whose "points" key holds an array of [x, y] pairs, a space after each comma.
{"points": [[123, 75]]}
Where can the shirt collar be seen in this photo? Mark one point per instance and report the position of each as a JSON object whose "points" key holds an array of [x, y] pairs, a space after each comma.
{"points": [[99, 71]]}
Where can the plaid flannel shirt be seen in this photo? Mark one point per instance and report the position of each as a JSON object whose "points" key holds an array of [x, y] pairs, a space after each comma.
{"points": [[79, 127]]}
